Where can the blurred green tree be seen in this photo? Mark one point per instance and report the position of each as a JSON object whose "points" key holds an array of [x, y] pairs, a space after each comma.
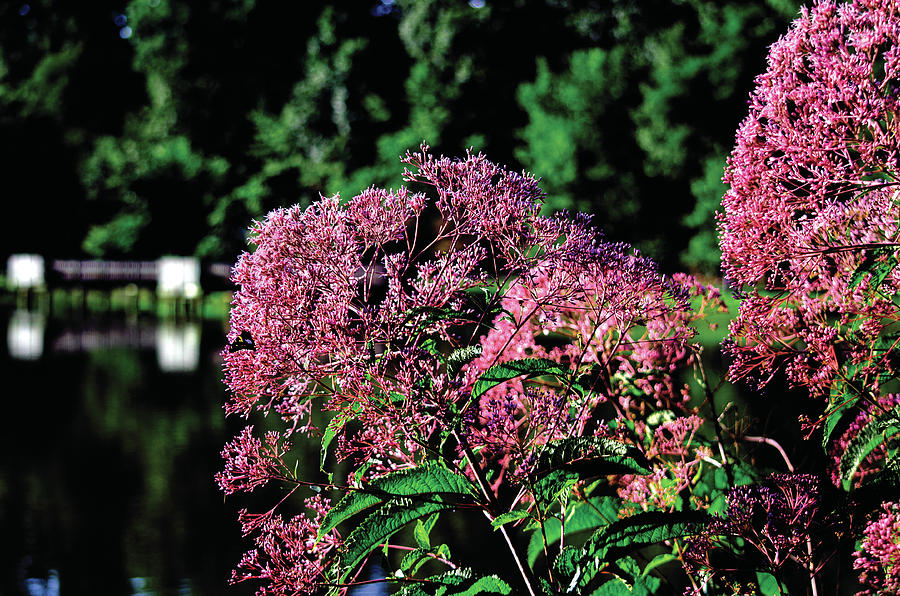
{"points": [[164, 126], [636, 129]]}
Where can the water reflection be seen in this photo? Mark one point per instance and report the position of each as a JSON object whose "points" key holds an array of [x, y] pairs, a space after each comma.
{"points": [[113, 433], [25, 335], [48, 586], [177, 342], [178, 346]]}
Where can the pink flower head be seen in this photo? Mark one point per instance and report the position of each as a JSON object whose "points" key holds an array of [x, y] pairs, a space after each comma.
{"points": [[879, 556], [251, 463], [813, 187], [289, 557]]}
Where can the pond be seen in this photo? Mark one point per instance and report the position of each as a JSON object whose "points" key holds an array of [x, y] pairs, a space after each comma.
{"points": [[114, 425], [113, 428]]}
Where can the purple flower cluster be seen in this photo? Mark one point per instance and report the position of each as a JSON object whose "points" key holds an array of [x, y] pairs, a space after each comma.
{"points": [[782, 519]]}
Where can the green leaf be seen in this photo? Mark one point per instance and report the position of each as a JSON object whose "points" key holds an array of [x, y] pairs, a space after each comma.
{"points": [[460, 357], [612, 456], [425, 316], [413, 560], [458, 582], [426, 481], [380, 525], [768, 585], [564, 462], [579, 517], [527, 367], [602, 557], [839, 405], [420, 535], [877, 431], [658, 561], [335, 425], [872, 264], [509, 516], [615, 586], [642, 530], [350, 504]]}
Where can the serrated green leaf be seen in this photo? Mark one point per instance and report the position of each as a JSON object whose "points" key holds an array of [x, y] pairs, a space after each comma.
{"points": [[427, 481], [509, 516], [420, 535], [613, 457], [643, 529], [871, 264], [460, 357], [350, 504], [606, 550], [413, 560], [873, 434], [380, 525], [335, 425], [582, 575], [527, 367], [458, 582], [553, 484]]}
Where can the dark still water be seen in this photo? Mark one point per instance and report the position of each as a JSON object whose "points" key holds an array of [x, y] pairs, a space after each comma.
{"points": [[111, 435]]}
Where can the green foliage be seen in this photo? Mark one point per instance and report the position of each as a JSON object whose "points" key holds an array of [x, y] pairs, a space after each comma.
{"points": [[426, 481], [209, 115], [643, 167], [878, 263], [878, 430], [380, 525], [335, 425], [602, 563], [526, 367], [580, 517], [840, 403], [458, 582], [564, 462], [641, 530]]}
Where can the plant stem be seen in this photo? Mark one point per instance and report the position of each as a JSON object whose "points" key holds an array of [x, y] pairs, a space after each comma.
{"points": [[773, 443], [482, 484], [711, 400]]}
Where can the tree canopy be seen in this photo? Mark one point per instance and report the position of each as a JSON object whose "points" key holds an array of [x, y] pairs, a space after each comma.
{"points": [[165, 126]]}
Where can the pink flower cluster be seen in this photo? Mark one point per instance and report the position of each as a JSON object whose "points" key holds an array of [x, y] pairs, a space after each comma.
{"points": [[617, 325], [251, 463], [879, 556], [340, 300], [813, 194], [357, 308], [289, 557]]}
